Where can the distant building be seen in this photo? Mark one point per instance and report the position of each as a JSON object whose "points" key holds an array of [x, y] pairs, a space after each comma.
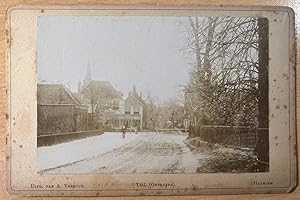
{"points": [[101, 99], [59, 111], [107, 107]]}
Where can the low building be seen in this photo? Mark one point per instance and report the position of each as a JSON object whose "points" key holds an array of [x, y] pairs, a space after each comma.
{"points": [[59, 111]]}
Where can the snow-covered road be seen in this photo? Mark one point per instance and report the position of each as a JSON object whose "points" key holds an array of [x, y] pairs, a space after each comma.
{"points": [[148, 152]]}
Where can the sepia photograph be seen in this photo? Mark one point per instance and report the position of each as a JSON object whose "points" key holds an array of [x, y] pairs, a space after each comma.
{"points": [[152, 94]]}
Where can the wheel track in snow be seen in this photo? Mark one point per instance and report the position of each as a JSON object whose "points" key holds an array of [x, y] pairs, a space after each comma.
{"points": [[148, 153]]}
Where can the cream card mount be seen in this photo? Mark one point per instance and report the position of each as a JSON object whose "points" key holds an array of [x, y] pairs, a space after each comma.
{"points": [[126, 101]]}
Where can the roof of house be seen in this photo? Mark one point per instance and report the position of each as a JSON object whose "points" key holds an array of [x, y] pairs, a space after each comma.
{"points": [[55, 94], [102, 89], [133, 99], [138, 97]]}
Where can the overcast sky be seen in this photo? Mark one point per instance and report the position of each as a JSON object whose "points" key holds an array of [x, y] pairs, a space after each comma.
{"points": [[145, 51]]}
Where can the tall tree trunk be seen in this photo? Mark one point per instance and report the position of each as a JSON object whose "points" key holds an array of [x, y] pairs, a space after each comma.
{"points": [[206, 58], [199, 75], [195, 30], [262, 146]]}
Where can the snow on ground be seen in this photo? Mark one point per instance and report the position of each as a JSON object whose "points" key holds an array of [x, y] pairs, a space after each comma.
{"points": [[145, 152], [74, 151], [148, 152]]}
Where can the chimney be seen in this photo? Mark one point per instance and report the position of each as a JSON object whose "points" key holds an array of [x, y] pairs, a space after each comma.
{"points": [[79, 87]]}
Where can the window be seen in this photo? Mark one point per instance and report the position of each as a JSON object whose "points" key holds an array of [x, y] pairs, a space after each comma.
{"points": [[115, 104], [127, 110], [136, 110]]}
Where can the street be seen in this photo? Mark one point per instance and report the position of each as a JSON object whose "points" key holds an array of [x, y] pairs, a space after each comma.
{"points": [[148, 152]]}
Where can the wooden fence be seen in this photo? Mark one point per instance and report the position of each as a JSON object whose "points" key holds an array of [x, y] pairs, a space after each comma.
{"points": [[240, 136]]}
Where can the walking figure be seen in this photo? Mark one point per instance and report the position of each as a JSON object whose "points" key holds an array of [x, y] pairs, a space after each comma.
{"points": [[123, 130], [135, 129]]}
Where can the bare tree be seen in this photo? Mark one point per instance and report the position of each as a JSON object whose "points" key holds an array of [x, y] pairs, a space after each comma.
{"points": [[229, 81], [90, 93]]}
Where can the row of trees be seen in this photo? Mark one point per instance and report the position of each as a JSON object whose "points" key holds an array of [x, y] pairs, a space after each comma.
{"points": [[228, 84], [169, 114]]}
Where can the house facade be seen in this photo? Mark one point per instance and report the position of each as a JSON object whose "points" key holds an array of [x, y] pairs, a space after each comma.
{"points": [[129, 114]]}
